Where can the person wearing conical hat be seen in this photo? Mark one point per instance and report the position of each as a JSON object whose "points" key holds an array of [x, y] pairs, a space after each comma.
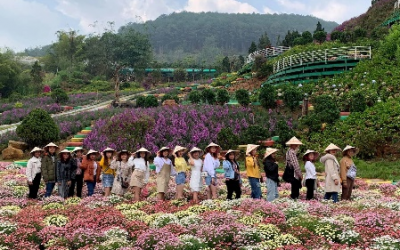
{"points": [[164, 169], [66, 169], [309, 157], [141, 172], [181, 168], [233, 180], [196, 164], [49, 167], [91, 170], [78, 180], [123, 168], [253, 171], [332, 177], [211, 162], [107, 172], [348, 171], [271, 169], [33, 172], [292, 163]]}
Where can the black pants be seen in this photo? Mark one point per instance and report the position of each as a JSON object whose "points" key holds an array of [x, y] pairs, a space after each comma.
{"points": [[79, 184], [34, 188], [296, 185], [233, 186], [310, 184]]}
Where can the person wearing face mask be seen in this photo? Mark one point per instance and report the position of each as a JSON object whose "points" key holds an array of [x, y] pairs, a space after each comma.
{"points": [[49, 167], [33, 172], [293, 167], [348, 171], [332, 177]]}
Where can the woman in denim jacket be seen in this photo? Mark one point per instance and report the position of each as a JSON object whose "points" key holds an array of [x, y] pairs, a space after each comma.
{"points": [[232, 174]]}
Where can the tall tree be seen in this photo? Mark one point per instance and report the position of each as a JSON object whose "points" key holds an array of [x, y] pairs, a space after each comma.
{"points": [[226, 67], [36, 75], [319, 27], [264, 41], [253, 47], [9, 72], [307, 36]]}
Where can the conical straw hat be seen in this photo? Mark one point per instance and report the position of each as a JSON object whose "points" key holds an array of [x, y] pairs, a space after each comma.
{"points": [[212, 144], [237, 152], [251, 147], [332, 147], [36, 149], [92, 152], [179, 148], [269, 152], [64, 151], [194, 149], [311, 152], [109, 150], [51, 145], [76, 149], [163, 149], [142, 150], [294, 141], [348, 147]]}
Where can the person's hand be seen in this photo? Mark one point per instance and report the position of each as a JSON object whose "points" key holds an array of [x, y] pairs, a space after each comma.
{"points": [[30, 183], [69, 183], [158, 154], [336, 182], [344, 185], [114, 158]]}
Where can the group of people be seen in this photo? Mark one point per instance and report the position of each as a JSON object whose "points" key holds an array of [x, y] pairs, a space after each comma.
{"points": [[123, 171]]}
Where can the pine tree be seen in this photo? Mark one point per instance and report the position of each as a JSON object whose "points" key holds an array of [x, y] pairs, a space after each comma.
{"points": [[37, 79], [319, 28], [264, 41], [226, 67], [253, 47]]}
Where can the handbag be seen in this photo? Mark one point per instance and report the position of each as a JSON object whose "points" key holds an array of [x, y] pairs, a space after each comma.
{"points": [[352, 172], [124, 184], [288, 174]]}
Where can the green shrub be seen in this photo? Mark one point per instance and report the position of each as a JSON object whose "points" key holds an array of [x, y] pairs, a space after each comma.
{"points": [[38, 128], [59, 95], [208, 96], [141, 102], [267, 96], [222, 96], [125, 85], [358, 102], [15, 97], [326, 108], [195, 97], [227, 139], [284, 132], [170, 97], [292, 96], [253, 134], [18, 105], [242, 96], [151, 101]]}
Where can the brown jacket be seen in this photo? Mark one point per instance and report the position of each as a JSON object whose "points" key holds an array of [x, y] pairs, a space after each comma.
{"points": [[88, 167], [345, 164]]}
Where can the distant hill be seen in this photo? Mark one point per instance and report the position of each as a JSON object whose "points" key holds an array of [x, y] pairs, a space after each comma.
{"points": [[202, 35], [371, 20]]}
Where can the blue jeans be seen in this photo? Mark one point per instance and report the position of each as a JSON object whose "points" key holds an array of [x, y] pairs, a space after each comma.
{"points": [[49, 188], [180, 178], [255, 187], [272, 190], [334, 196], [90, 187]]}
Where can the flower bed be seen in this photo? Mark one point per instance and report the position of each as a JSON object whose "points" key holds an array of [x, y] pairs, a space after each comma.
{"points": [[371, 221]]}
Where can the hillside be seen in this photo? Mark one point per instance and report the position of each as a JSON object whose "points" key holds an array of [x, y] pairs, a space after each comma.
{"points": [[372, 19], [178, 35]]}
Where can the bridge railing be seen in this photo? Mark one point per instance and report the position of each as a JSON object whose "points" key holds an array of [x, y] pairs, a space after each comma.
{"points": [[267, 53], [327, 55]]}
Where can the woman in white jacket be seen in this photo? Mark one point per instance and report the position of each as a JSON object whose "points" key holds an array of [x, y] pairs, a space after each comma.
{"points": [[141, 174], [332, 177], [34, 172], [123, 169]]}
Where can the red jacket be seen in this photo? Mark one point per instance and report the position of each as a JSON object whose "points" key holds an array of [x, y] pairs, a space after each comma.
{"points": [[88, 167]]}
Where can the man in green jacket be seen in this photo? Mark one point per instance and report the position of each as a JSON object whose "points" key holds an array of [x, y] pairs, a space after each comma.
{"points": [[49, 165]]}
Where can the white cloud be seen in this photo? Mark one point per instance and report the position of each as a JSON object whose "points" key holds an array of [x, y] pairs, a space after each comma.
{"points": [[332, 11], [293, 5], [225, 6], [27, 24], [267, 10]]}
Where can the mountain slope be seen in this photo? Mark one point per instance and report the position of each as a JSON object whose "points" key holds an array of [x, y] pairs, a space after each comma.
{"points": [[187, 33]]}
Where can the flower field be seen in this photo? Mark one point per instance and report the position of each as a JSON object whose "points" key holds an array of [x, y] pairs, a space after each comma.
{"points": [[370, 221]]}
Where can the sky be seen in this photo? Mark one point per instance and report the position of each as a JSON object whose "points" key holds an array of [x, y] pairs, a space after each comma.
{"points": [[32, 23]]}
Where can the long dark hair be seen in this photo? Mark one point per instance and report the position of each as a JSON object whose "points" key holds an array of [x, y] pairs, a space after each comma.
{"points": [[65, 161], [234, 159], [269, 158]]}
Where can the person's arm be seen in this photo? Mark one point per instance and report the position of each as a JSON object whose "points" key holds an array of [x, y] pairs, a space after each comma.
{"points": [[114, 164], [45, 173], [73, 170], [330, 170], [208, 165], [84, 164], [147, 175], [343, 171], [158, 162], [58, 172], [29, 172], [295, 164], [226, 165], [131, 161], [249, 162]]}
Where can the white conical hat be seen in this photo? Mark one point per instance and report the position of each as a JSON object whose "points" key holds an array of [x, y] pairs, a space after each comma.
{"points": [[179, 148], [124, 151], [64, 151], [109, 150], [142, 150], [212, 144], [77, 149], [348, 147], [311, 151], [251, 147], [92, 152], [269, 151], [36, 149], [194, 149], [332, 147], [163, 149], [294, 141], [51, 145], [237, 152]]}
